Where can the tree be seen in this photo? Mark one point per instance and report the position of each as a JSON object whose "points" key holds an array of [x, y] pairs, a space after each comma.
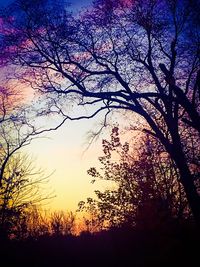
{"points": [[143, 185], [138, 56], [22, 188], [20, 181], [93, 220], [62, 223]]}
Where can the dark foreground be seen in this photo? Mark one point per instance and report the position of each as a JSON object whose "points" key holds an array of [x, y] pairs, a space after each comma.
{"points": [[178, 246]]}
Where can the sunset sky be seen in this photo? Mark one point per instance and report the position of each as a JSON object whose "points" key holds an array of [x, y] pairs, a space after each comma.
{"points": [[62, 153]]}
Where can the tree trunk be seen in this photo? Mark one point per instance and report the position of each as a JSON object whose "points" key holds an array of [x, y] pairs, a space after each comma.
{"points": [[187, 181]]}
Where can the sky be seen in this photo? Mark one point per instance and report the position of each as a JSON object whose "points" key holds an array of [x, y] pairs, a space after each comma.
{"points": [[63, 153], [75, 3], [5, 2]]}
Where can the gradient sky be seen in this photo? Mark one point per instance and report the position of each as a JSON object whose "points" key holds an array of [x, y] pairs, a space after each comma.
{"points": [[62, 152]]}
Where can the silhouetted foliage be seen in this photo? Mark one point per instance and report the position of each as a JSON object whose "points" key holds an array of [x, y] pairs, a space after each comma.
{"points": [[144, 186]]}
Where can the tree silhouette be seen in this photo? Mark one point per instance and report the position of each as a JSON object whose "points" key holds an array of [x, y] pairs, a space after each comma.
{"points": [[138, 56], [62, 223], [20, 180], [143, 186], [22, 188]]}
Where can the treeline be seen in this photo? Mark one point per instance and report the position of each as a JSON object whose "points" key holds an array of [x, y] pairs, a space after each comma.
{"points": [[176, 246]]}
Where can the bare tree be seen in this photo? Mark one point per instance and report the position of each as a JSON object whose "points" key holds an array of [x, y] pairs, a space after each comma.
{"points": [[23, 186], [62, 223], [139, 56], [36, 223], [20, 181]]}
